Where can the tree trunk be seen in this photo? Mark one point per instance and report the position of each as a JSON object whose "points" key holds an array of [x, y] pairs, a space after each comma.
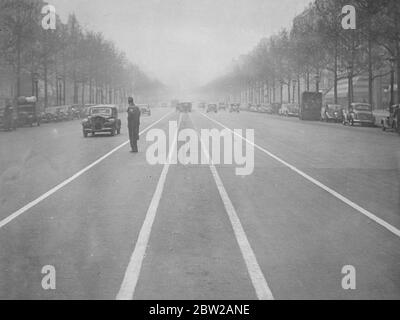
{"points": [[298, 89], [370, 74], [335, 80], [46, 98], [398, 71]]}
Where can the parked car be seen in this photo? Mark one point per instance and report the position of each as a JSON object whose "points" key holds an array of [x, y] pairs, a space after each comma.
{"points": [[275, 107], [102, 119], [310, 106], [28, 114], [201, 105], [144, 109], [212, 107], [358, 113], [332, 113], [252, 108], [235, 107], [222, 106], [264, 108], [392, 122], [289, 110]]}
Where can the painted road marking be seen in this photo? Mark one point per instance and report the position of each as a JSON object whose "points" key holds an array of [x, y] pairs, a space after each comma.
{"points": [[30, 205], [132, 272], [337, 195], [256, 275]]}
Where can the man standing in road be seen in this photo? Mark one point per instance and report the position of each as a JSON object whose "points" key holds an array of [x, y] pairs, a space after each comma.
{"points": [[133, 124]]}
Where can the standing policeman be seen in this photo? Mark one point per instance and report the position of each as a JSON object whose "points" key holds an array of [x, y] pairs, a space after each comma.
{"points": [[133, 124]]}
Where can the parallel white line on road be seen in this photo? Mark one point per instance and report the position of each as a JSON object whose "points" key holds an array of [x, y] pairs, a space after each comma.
{"points": [[256, 275], [30, 205], [132, 272], [334, 193]]}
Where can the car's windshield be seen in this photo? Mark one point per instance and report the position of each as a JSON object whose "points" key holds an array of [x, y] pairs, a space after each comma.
{"points": [[362, 107], [106, 111]]}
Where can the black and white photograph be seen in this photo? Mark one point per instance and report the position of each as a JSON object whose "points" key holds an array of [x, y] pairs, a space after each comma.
{"points": [[199, 150]]}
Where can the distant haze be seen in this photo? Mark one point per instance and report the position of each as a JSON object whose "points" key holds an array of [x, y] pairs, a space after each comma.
{"points": [[183, 43]]}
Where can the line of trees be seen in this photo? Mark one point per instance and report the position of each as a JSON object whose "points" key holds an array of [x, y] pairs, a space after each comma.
{"points": [[67, 58], [317, 43]]}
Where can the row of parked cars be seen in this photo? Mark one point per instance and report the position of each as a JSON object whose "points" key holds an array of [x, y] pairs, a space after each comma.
{"points": [[356, 113], [63, 113], [217, 107]]}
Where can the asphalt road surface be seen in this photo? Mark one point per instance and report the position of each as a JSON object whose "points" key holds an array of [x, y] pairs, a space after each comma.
{"points": [[321, 197]]}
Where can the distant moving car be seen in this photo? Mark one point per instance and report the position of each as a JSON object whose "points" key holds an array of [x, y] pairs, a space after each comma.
{"points": [[185, 107], [163, 105], [332, 113], [289, 110], [359, 113], [102, 119], [222, 106], [144, 109], [235, 107], [392, 122], [212, 107], [201, 105]]}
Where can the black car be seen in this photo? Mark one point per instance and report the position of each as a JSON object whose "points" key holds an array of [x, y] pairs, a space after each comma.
{"points": [[185, 107], [235, 107], [212, 107], [102, 119]]}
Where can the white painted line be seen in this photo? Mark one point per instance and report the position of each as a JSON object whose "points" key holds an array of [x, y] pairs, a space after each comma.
{"points": [[256, 275], [132, 272], [30, 205], [334, 193]]}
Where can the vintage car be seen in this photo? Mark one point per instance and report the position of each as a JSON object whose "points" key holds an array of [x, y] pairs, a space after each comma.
{"points": [[275, 107], [392, 122], [252, 108], [144, 109], [289, 110], [222, 106], [212, 107], [49, 115], [28, 114], [332, 113], [185, 107], [358, 113], [264, 108], [235, 107], [102, 119]]}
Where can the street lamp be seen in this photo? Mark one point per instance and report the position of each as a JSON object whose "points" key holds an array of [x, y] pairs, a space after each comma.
{"points": [[392, 61]]}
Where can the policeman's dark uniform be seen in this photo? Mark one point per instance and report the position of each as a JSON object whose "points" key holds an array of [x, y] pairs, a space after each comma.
{"points": [[133, 126]]}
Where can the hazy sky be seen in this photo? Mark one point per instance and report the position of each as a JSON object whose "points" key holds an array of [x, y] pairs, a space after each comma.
{"points": [[184, 42]]}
